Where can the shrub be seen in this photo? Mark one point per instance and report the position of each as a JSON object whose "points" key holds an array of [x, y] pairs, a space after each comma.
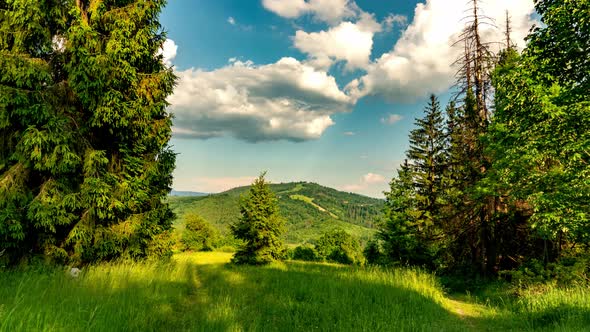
{"points": [[305, 253], [569, 271], [340, 247], [198, 235], [373, 253]]}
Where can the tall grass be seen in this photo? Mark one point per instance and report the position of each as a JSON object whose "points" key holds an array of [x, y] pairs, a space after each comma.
{"points": [[200, 292]]}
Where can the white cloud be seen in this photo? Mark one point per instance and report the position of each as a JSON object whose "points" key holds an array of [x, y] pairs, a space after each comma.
{"points": [[369, 184], [285, 100], [168, 51], [214, 184], [420, 61], [391, 119], [350, 42], [372, 178], [394, 20], [349, 133], [331, 11], [231, 20]]}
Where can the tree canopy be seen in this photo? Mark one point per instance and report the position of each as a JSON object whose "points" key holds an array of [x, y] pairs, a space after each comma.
{"points": [[84, 131]]}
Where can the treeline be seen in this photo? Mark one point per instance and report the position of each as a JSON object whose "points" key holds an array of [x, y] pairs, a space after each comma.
{"points": [[501, 176]]}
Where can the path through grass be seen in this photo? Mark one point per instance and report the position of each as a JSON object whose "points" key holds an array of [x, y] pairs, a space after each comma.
{"points": [[200, 292]]}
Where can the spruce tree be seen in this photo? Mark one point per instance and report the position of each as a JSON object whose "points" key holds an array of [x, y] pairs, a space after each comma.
{"points": [[84, 162], [260, 226], [428, 160], [399, 229]]}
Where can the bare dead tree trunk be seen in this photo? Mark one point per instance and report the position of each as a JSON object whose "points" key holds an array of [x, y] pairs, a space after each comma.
{"points": [[508, 31]]}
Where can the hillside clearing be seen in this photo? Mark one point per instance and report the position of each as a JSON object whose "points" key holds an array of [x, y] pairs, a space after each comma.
{"points": [[309, 200]]}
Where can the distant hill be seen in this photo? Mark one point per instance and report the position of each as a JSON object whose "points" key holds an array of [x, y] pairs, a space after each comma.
{"points": [[308, 208], [186, 193]]}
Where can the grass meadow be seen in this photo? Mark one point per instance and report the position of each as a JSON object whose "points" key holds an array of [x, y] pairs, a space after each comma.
{"points": [[201, 292]]}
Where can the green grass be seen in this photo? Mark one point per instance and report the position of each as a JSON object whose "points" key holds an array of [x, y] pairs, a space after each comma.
{"points": [[200, 292]]}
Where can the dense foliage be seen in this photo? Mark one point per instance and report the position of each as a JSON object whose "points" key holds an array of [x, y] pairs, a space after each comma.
{"points": [[198, 234], [260, 226], [84, 162], [339, 247], [490, 191]]}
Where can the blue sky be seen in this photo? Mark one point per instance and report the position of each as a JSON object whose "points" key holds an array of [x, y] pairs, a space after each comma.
{"points": [[319, 90]]}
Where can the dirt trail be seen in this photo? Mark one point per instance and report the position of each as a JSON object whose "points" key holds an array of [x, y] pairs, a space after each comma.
{"points": [[468, 312]]}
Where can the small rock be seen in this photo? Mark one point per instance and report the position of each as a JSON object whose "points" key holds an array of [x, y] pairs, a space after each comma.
{"points": [[75, 272]]}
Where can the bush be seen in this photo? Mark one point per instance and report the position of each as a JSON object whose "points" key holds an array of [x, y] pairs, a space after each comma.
{"points": [[339, 247], [569, 271], [198, 234], [373, 253], [305, 253]]}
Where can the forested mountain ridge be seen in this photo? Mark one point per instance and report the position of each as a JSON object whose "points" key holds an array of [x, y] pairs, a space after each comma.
{"points": [[309, 210]]}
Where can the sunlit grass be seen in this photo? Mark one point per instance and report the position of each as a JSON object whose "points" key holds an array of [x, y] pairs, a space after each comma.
{"points": [[201, 292]]}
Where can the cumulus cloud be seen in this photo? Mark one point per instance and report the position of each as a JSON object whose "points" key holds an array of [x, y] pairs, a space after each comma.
{"points": [[286, 100], [391, 119], [331, 11], [393, 20], [231, 20], [419, 63], [348, 41], [168, 51], [370, 184]]}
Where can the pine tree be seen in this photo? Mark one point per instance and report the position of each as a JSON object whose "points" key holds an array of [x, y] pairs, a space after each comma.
{"points": [[260, 226], [84, 162]]}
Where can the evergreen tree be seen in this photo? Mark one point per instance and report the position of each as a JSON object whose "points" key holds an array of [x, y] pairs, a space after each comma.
{"points": [[84, 162], [403, 242], [427, 154], [260, 226]]}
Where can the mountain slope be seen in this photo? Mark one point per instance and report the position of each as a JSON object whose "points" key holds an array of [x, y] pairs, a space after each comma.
{"points": [[309, 210]]}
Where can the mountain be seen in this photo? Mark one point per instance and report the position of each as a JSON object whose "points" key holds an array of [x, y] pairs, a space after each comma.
{"points": [[186, 193], [309, 210]]}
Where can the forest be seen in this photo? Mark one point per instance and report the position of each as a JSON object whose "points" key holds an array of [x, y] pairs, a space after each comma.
{"points": [[485, 225]]}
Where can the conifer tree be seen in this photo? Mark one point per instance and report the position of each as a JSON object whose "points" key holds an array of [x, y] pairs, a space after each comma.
{"points": [[260, 226], [427, 154], [399, 229], [84, 162]]}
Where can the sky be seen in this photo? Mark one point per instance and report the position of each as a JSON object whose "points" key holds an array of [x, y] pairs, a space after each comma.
{"points": [[323, 91]]}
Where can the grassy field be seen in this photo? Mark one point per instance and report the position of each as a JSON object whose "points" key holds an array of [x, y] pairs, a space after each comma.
{"points": [[200, 292]]}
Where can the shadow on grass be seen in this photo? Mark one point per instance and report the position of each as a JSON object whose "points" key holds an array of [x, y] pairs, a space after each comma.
{"points": [[51, 301], [215, 297], [322, 298]]}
